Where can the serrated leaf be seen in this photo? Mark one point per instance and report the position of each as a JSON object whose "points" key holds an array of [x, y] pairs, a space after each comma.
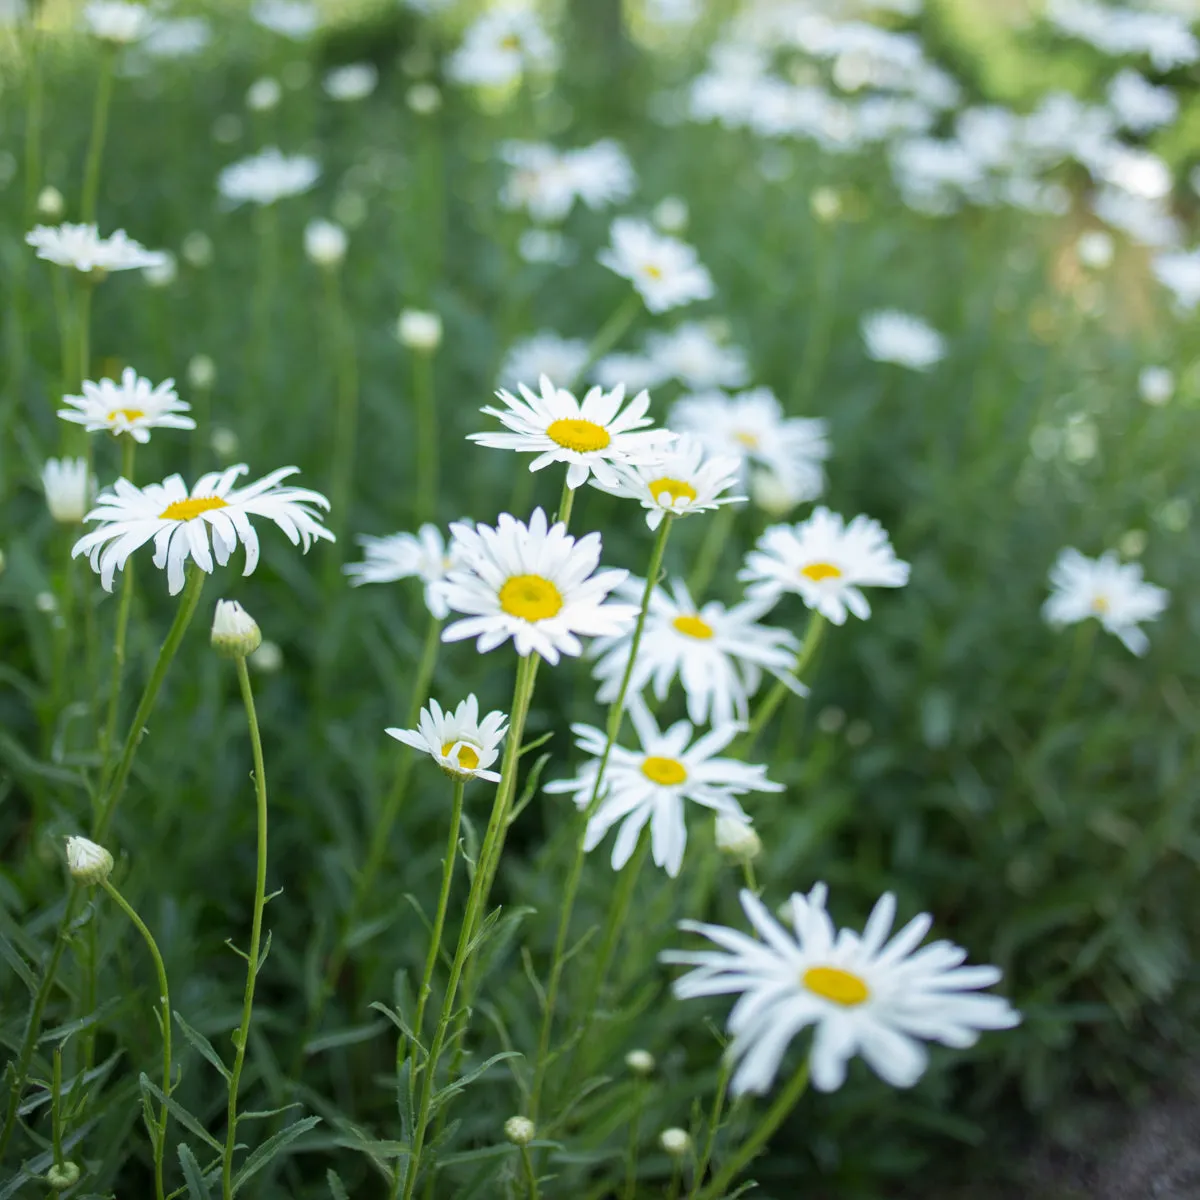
{"points": [[271, 1148], [203, 1045], [11, 956], [181, 1114], [61, 1032], [193, 1176], [337, 1189], [464, 1081]]}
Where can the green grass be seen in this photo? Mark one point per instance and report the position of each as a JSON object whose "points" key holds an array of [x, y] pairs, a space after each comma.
{"points": [[1052, 834]]}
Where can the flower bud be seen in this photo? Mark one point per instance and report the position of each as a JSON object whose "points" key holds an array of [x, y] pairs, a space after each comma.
{"points": [[88, 863], [671, 214], [264, 94], [1095, 249], [640, 1062], [826, 204], [61, 1178], [1156, 385], [519, 1130], [198, 248], [737, 839], [268, 658], [202, 372], [161, 273], [235, 633], [771, 494], [676, 1142], [50, 203], [424, 99], [419, 330], [324, 243], [67, 485]]}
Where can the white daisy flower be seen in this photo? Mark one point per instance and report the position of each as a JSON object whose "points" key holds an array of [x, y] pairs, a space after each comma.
{"points": [[666, 272], [825, 562], [678, 480], [295, 19], [325, 243], [651, 785], [1156, 385], [459, 742], [546, 353], [899, 337], [68, 486], [533, 583], [501, 46], [691, 354], [181, 523], [354, 81], [115, 21], [863, 993], [589, 435], [134, 406], [601, 174], [1107, 589], [82, 247], [635, 371], [718, 654], [1179, 272], [751, 426], [540, 181], [266, 177], [422, 555], [176, 37]]}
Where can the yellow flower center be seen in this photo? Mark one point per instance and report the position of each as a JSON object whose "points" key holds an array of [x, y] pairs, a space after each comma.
{"points": [[749, 440], [666, 491], [693, 627], [655, 272], [667, 771], [468, 758], [530, 597], [821, 570], [190, 509], [510, 42], [130, 414], [1099, 604], [576, 434], [832, 983]]}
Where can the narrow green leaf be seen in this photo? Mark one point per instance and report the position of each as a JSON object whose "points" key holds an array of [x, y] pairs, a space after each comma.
{"points": [[464, 1081], [203, 1045], [193, 1176], [181, 1114], [272, 1147], [337, 1189], [11, 956], [344, 1037], [60, 1033]]}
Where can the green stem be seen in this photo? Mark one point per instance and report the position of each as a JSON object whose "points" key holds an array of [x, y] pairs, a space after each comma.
{"points": [[109, 731], [427, 441], [611, 331], [616, 715], [95, 153], [566, 502], [346, 415], [439, 922], [631, 1150], [749, 875], [715, 539], [33, 123], [530, 1176], [183, 618], [714, 1125], [266, 230], [776, 696], [771, 1120], [252, 961], [493, 842], [83, 331], [160, 1142], [56, 1122], [1081, 656]]}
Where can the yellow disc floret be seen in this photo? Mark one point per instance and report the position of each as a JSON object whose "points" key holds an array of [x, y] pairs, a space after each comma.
{"points": [[820, 571], [191, 508], [832, 983], [572, 433], [693, 627], [530, 597], [667, 491], [665, 771], [468, 757]]}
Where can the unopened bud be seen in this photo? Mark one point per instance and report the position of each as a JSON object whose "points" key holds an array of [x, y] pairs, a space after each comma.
{"points": [[640, 1062], [676, 1142], [88, 863], [162, 273], [268, 658], [419, 330], [324, 243], [424, 99], [519, 1130], [201, 371], [235, 633], [264, 94], [671, 214], [61, 1178], [50, 203], [737, 839]]}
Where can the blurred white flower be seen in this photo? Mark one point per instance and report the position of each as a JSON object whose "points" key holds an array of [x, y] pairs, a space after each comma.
{"points": [[88, 862], [718, 654], [678, 480], [422, 555], [458, 741], [546, 182], [533, 583], [547, 353], [737, 839], [825, 562], [1164, 37], [502, 44], [590, 436], [163, 273], [176, 37], [865, 994], [671, 214], [354, 81], [666, 272], [82, 247], [268, 658], [182, 523], [295, 19], [690, 353], [1107, 589], [1095, 249], [677, 1143], [197, 248], [423, 98], [235, 633], [1138, 105], [1179, 272], [115, 21], [134, 406], [751, 426], [50, 203], [201, 371], [899, 337], [650, 785], [545, 246], [266, 177], [324, 243], [264, 94], [419, 330], [68, 486], [1156, 385]]}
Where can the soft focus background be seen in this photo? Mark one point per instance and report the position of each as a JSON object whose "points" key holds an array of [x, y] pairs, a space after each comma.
{"points": [[1048, 823]]}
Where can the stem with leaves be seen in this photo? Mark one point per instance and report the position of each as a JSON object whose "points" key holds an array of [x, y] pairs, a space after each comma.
{"points": [[252, 958], [95, 152]]}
